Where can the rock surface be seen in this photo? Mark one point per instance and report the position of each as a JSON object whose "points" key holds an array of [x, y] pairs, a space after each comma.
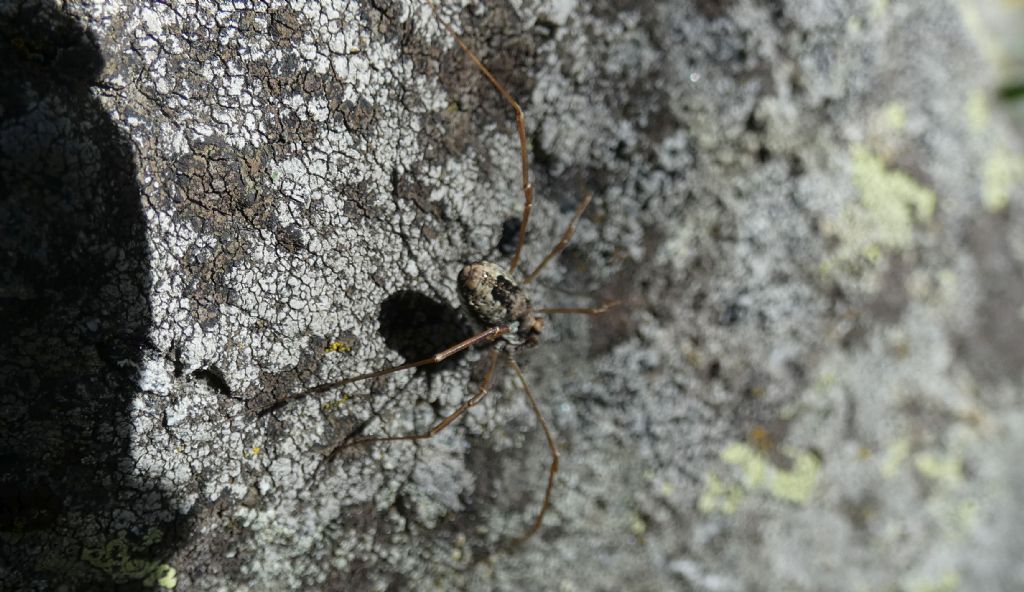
{"points": [[813, 211]]}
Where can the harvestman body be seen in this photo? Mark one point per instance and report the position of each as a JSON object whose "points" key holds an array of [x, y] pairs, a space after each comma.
{"points": [[496, 301]]}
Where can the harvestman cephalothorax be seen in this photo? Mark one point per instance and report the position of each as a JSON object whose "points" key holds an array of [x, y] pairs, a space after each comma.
{"points": [[496, 301]]}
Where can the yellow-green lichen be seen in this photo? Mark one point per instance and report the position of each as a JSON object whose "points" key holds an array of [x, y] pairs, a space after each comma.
{"points": [[827, 379], [968, 511], [798, 483], [152, 536], [978, 111], [338, 347], [882, 220], [336, 403], [1002, 175], [756, 472], [638, 526], [719, 496], [122, 562], [946, 469], [891, 201], [893, 457], [891, 118], [956, 516], [879, 9], [985, 40], [168, 577], [885, 129]]}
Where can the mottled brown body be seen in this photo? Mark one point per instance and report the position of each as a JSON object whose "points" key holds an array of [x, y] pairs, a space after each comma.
{"points": [[494, 298]]}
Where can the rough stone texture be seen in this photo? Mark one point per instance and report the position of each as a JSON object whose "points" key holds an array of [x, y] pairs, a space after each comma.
{"points": [[814, 211]]}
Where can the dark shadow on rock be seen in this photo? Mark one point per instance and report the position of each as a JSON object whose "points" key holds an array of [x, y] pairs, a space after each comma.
{"points": [[74, 315], [417, 327]]}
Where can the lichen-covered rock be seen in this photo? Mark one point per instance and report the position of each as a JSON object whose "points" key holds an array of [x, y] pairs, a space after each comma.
{"points": [[812, 211]]}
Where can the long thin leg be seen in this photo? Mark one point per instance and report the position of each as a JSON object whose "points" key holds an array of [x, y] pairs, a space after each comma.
{"points": [[520, 123], [587, 311], [562, 243], [488, 335], [483, 390], [551, 446]]}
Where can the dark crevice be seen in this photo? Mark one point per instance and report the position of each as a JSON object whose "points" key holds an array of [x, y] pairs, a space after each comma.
{"points": [[214, 379]]}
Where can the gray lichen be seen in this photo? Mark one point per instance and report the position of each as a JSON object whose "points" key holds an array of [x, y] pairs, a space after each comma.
{"points": [[811, 210]]}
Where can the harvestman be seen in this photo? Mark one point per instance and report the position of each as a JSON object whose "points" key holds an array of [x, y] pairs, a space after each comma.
{"points": [[496, 301]]}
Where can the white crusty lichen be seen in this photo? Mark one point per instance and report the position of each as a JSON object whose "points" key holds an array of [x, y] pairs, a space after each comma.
{"points": [[777, 192]]}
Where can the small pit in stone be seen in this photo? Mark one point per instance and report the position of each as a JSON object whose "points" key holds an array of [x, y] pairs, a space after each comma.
{"points": [[509, 236]]}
